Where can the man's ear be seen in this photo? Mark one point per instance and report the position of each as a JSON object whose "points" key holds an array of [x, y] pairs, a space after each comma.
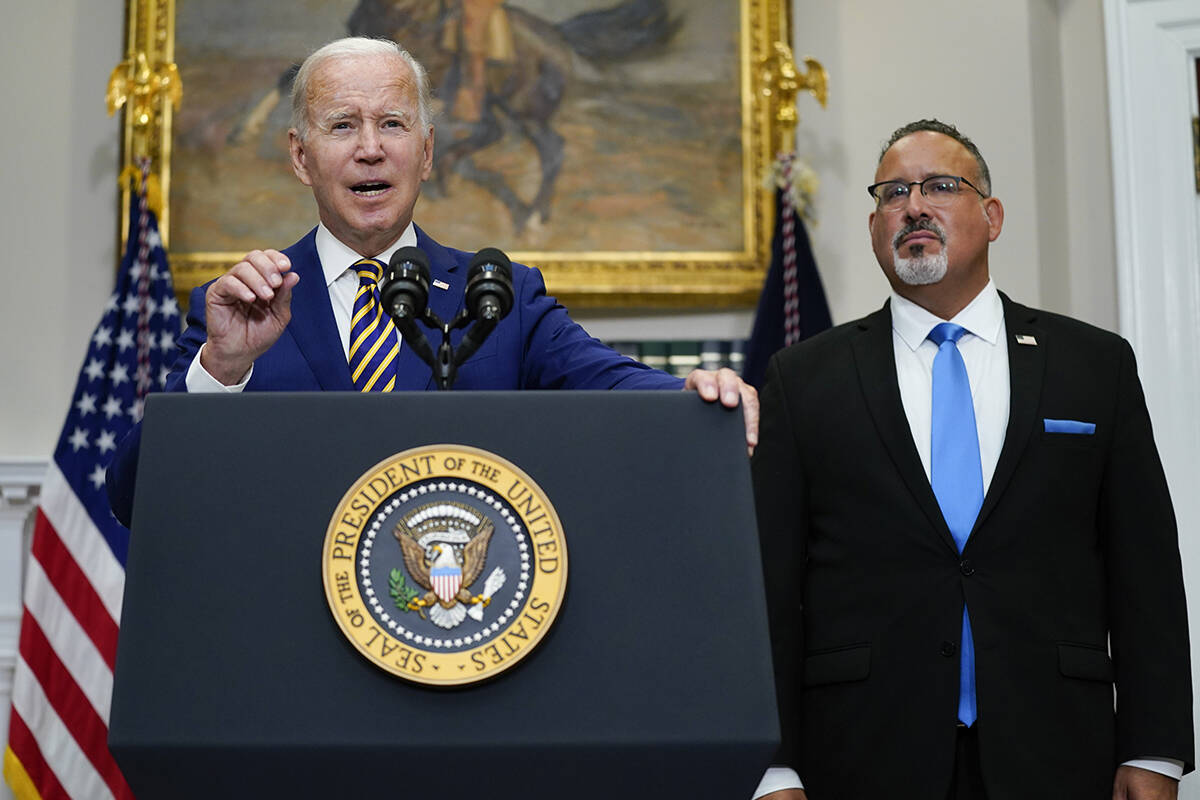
{"points": [[993, 209], [299, 157], [427, 167]]}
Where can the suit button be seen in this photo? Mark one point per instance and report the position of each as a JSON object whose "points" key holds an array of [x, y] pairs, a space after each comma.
{"points": [[948, 649], [966, 567]]}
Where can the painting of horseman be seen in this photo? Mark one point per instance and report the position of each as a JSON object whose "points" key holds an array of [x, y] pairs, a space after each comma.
{"points": [[560, 125]]}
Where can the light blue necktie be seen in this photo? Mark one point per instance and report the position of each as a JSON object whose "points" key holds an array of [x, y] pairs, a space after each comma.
{"points": [[956, 475]]}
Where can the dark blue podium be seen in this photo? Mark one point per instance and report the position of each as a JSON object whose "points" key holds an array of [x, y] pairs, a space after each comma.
{"points": [[233, 679]]}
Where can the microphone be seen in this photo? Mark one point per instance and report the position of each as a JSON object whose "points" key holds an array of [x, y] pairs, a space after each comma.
{"points": [[405, 289], [489, 286], [489, 298], [405, 297]]}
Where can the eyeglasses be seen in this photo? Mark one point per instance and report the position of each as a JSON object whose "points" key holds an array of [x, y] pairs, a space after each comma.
{"points": [[939, 190]]}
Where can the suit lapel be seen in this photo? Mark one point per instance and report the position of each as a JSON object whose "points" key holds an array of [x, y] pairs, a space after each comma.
{"points": [[316, 334], [446, 286], [876, 362], [1026, 369]]}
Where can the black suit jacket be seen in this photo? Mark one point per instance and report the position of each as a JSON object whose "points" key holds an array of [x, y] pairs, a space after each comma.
{"points": [[1075, 546]]}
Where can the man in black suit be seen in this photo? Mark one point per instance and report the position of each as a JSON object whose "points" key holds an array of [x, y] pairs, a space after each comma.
{"points": [[955, 588]]}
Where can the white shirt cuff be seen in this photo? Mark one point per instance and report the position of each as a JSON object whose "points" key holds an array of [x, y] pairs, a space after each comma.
{"points": [[776, 779], [198, 380], [779, 778], [1163, 766]]}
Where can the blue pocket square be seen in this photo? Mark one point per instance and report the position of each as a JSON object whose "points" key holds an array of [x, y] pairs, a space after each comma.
{"points": [[1069, 426]]}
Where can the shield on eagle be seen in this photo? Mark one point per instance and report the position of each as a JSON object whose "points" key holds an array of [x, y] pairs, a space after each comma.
{"points": [[445, 574]]}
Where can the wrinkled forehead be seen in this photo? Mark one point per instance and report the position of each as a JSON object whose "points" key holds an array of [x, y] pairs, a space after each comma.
{"points": [[374, 79], [925, 153]]}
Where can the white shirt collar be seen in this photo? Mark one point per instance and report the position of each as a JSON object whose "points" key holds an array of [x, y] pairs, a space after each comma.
{"points": [[982, 317], [336, 257]]}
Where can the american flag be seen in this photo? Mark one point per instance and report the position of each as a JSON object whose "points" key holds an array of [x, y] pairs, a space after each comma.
{"points": [[75, 574]]}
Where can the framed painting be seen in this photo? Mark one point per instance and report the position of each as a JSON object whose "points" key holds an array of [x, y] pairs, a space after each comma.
{"points": [[630, 171]]}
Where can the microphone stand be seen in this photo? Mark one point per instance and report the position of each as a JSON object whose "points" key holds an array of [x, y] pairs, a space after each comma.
{"points": [[446, 361]]}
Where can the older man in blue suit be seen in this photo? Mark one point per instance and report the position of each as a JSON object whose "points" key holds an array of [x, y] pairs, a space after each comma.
{"points": [[362, 139]]}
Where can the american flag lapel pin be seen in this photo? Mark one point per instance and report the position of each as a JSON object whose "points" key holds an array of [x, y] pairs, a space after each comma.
{"points": [[1024, 338], [440, 284]]}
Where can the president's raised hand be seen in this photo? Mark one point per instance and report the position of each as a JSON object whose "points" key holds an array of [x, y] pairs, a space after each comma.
{"points": [[246, 310]]}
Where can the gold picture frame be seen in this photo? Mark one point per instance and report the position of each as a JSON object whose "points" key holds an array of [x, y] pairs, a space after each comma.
{"points": [[714, 277]]}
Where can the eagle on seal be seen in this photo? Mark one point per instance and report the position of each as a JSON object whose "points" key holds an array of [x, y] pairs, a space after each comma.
{"points": [[445, 546]]}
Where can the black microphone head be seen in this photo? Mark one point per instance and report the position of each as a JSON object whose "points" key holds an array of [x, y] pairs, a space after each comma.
{"points": [[489, 285], [405, 285], [491, 255], [411, 255]]}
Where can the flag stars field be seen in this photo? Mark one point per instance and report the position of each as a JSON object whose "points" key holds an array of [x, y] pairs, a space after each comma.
{"points": [[78, 440], [112, 407], [118, 374], [97, 477], [86, 404]]}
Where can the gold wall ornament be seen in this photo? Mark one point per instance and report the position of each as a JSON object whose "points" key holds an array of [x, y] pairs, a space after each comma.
{"points": [[146, 84], [134, 78], [782, 81]]}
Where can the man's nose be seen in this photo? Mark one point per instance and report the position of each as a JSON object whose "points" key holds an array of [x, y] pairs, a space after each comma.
{"points": [[916, 205], [370, 144]]}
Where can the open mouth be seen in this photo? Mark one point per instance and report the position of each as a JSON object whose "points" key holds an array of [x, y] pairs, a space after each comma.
{"points": [[370, 189]]}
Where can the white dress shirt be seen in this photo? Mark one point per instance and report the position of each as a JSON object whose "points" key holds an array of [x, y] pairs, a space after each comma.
{"points": [[984, 349], [341, 279]]}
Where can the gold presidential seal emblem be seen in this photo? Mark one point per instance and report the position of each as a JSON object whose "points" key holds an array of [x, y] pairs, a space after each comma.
{"points": [[445, 565]]}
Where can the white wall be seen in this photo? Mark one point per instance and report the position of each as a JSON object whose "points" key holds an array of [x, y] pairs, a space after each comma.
{"points": [[57, 206], [1089, 224]]}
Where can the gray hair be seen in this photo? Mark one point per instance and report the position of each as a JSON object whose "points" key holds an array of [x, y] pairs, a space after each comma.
{"points": [[937, 126], [357, 46]]}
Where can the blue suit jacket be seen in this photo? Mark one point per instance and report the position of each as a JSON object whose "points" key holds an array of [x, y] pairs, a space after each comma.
{"points": [[537, 346]]}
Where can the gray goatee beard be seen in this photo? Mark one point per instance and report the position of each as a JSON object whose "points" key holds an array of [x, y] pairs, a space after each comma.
{"points": [[921, 269]]}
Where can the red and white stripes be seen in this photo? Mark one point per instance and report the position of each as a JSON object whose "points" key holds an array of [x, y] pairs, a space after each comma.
{"points": [[62, 685]]}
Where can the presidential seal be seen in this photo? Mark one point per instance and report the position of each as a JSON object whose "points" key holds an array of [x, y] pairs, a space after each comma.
{"points": [[444, 565]]}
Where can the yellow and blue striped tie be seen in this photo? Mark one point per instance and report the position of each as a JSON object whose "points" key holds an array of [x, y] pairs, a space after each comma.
{"points": [[374, 344]]}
